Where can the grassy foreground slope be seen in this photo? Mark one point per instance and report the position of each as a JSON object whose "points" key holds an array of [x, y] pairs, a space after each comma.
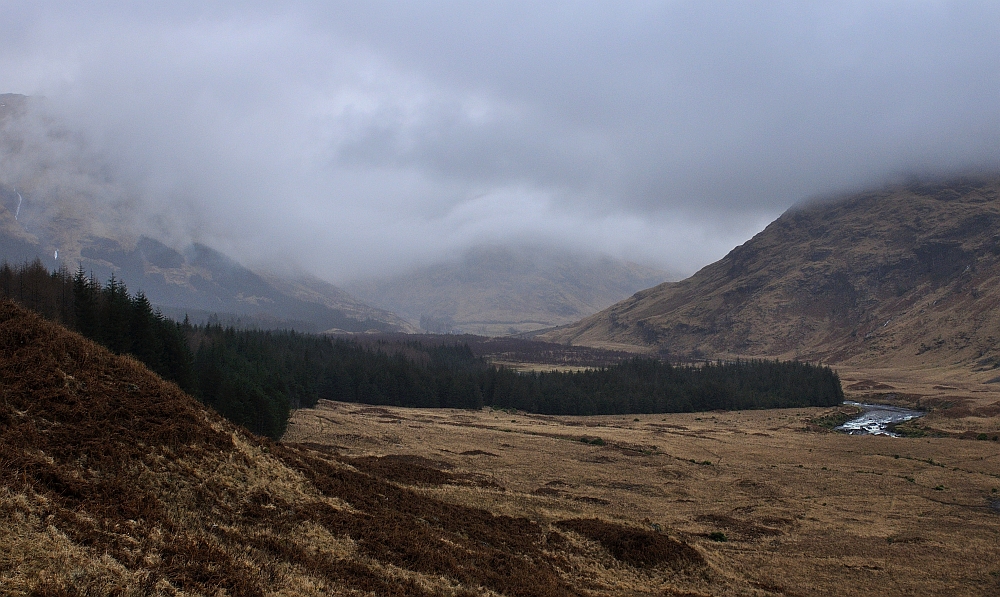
{"points": [[114, 482]]}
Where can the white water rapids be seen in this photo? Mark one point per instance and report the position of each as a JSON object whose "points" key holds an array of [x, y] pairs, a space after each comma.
{"points": [[876, 418]]}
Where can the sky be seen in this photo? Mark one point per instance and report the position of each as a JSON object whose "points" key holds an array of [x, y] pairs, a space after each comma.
{"points": [[364, 138]]}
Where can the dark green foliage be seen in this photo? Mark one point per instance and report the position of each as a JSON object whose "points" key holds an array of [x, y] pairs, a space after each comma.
{"points": [[650, 386], [33, 286], [244, 385], [303, 369], [108, 315], [255, 378]]}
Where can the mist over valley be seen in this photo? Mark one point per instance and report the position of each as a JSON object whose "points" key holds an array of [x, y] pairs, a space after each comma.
{"points": [[495, 291], [522, 299]]}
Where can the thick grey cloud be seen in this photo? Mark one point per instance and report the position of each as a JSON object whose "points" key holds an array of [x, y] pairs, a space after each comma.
{"points": [[369, 136]]}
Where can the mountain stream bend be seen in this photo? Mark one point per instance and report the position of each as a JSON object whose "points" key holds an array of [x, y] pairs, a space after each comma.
{"points": [[876, 419]]}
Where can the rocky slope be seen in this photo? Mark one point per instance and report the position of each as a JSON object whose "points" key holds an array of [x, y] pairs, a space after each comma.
{"points": [[500, 291], [908, 275], [311, 289]]}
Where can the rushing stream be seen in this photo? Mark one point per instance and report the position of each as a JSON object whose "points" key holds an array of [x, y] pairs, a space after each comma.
{"points": [[876, 418]]}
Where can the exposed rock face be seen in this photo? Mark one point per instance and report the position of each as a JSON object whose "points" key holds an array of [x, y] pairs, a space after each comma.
{"points": [[203, 283], [907, 275]]}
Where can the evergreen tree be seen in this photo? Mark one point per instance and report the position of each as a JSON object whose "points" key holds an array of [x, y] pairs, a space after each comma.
{"points": [[255, 377]]}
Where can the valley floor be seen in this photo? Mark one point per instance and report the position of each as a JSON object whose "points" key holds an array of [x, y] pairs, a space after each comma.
{"points": [[803, 511]]}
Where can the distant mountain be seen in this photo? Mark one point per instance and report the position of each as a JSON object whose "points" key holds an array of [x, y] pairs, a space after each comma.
{"points": [[311, 289], [199, 281], [499, 291], [908, 275], [69, 213], [206, 285]]}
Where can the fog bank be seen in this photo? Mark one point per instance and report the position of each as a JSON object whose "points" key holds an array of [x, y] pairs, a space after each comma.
{"points": [[363, 139]]}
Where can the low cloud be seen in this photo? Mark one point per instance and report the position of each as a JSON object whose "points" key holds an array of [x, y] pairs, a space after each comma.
{"points": [[359, 139]]}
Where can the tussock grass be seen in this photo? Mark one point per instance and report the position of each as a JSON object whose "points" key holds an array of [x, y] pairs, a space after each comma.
{"points": [[114, 482], [803, 512]]}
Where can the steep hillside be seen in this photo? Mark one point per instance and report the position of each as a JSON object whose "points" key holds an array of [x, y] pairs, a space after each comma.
{"points": [[201, 282], [113, 482], [311, 289], [61, 203], [499, 291], [905, 276]]}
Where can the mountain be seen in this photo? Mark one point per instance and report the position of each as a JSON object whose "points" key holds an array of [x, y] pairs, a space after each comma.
{"points": [[907, 275], [500, 291], [203, 283], [114, 482], [59, 203], [310, 289]]}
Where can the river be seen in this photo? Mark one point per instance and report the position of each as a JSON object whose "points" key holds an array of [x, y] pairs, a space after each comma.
{"points": [[876, 418]]}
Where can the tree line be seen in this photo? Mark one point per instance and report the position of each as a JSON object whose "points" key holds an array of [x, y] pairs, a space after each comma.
{"points": [[107, 314], [256, 377]]}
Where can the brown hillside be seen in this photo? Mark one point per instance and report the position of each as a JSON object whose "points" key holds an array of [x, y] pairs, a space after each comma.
{"points": [[113, 482], [906, 276]]}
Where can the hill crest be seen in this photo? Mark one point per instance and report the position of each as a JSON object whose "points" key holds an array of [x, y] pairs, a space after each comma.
{"points": [[908, 275], [114, 482], [61, 202]]}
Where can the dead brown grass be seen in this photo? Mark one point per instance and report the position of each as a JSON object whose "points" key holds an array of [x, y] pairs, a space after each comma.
{"points": [[957, 402], [113, 482], [804, 512], [907, 277], [642, 548]]}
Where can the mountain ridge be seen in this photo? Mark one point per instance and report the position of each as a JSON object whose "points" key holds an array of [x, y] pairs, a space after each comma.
{"points": [[493, 290], [907, 275], [203, 283], [61, 201]]}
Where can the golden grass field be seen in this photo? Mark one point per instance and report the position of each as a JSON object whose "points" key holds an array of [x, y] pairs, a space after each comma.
{"points": [[804, 511], [115, 483]]}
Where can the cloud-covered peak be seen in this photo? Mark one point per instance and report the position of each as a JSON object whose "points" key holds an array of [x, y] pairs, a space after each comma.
{"points": [[370, 137]]}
